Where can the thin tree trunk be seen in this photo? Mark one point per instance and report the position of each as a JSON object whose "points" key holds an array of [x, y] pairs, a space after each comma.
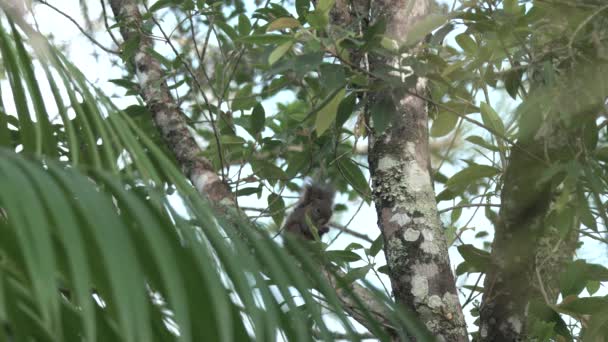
{"points": [[415, 245]]}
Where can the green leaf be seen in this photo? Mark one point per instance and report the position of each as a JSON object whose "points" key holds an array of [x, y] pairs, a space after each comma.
{"points": [[376, 245], [257, 121], [455, 214], [283, 23], [302, 7], [279, 51], [512, 80], [440, 34], [479, 141], [353, 246], [267, 170], [229, 30], [342, 256], [232, 140], [357, 273], [491, 119], [248, 191], [307, 62], [475, 257], [161, 4], [593, 286], [265, 39], [471, 174], [584, 306], [383, 269], [572, 280], [585, 214], [466, 43], [127, 84], [383, 110], [297, 162], [332, 76], [276, 205], [353, 175], [345, 109], [424, 26], [546, 321], [327, 114], [325, 5], [318, 19], [244, 25], [244, 99], [444, 124]]}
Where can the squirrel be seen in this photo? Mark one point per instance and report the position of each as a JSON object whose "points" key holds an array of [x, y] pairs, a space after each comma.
{"points": [[314, 207]]}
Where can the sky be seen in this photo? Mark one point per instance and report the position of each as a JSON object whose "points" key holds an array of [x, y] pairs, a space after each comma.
{"points": [[100, 71]]}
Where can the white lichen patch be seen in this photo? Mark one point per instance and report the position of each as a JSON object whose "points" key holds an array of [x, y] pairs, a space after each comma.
{"points": [[420, 287], [417, 176], [401, 219], [427, 270], [515, 323], [432, 325], [451, 301], [202, 179], [420, 220], [143, 78], [139, 56], [129, 9], [429, 245], [411, 235], [435, 302], [483, 331], [387, 163]]}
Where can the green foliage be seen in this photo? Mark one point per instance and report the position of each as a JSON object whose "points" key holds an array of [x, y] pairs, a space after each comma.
{"points": [[103, 238], [548, 57]]}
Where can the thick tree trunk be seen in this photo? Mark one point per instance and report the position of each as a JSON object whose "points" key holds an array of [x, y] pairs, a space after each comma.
{"points": [[509, 279], [525, 264], [415, 245]]}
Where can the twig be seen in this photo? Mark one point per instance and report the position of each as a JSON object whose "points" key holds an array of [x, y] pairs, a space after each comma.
{"points": [[466, 302], [542, 287], [351, 232], [106, 24], [471, 205], [200, 88], [82, 30]]}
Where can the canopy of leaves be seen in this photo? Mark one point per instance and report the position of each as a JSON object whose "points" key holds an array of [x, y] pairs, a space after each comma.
{"points": [[87, 206]]}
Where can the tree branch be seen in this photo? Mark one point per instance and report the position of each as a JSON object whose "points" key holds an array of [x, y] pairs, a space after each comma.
{"points": [[166, 114], [80, 28]]}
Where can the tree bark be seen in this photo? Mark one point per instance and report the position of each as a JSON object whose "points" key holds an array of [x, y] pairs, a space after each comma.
{"points": [[525, 264], [415, 245], [166, 114]]}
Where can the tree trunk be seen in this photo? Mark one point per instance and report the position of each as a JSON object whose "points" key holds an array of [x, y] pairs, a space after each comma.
{"points": [[525, 264], [415, 245]]}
